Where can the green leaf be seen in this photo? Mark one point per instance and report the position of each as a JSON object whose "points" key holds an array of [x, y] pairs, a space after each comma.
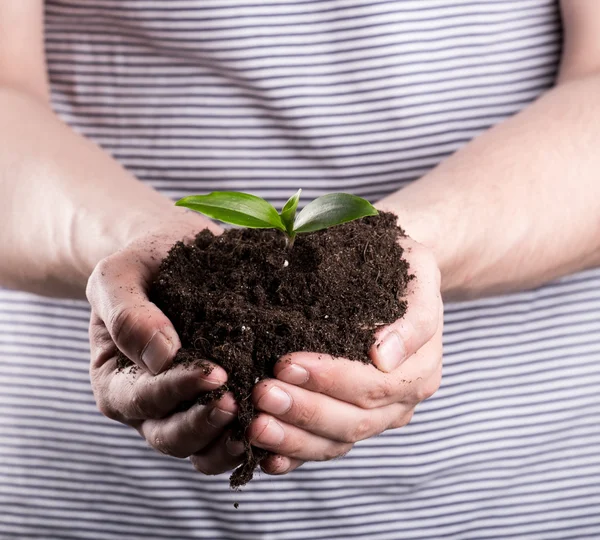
{"points": [[235, 208], [288, 212], [332, 209]]}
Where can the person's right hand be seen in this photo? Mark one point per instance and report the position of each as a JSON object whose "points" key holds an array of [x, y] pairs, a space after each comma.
{"points": [[150, 396]]}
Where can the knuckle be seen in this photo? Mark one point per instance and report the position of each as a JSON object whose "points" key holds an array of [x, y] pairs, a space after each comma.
{"points": [[103, 266], [336, 451], [105, 407], [307, 416], [179, 385], [326, 379], [427, 388], [402, 419], [157, 441], [138, 405], [95, 280], [195, 425], [361, 430], [164, 444], [325, 383], [293, 446], [121, 322], [98, 341], [377, 394]]}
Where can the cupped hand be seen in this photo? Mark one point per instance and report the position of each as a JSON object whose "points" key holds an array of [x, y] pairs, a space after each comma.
{"points": [[150, 397], [317, 406]]}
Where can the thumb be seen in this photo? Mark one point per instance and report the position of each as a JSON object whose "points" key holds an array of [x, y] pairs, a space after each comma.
{"points": [[404, 337], [117, 293]]}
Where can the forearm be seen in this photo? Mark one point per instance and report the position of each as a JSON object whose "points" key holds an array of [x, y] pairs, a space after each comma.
{"points": [[520, 204], [65, 203]]}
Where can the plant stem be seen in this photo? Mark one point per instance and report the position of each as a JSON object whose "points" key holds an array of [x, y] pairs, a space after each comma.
{"points": [[289, 240]]}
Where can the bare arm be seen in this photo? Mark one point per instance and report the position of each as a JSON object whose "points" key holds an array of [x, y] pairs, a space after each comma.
{"points": [[64, 203], [520, 204]]}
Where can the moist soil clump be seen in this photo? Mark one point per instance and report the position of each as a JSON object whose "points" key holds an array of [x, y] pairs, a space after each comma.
{"points": [[245, 299]]}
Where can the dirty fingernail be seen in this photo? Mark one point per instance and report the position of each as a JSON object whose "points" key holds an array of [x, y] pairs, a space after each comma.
{"points": [[156, 352], [275, 401], [235, 448], [219, 418], [217, 376], [272, 435], [293, 374], [390, 352]]}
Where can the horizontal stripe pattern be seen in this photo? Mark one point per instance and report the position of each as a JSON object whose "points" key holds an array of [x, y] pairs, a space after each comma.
{"points": [[360, 96], [392, 88]]}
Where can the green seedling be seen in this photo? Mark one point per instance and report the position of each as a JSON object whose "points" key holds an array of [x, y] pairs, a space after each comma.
{"points": [[250, 211]]}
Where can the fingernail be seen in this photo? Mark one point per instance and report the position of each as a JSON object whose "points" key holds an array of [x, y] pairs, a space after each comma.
{"points": [[217, 376], [275, 401], [219, 418], [293, 374], [235, 448], [390, 352], [156, 352], [272, 435]]}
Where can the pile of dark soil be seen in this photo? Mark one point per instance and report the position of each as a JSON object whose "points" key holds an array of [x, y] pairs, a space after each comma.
{"points": [[244, 299]]}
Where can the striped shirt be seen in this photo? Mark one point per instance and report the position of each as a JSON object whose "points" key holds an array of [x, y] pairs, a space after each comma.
{"points": [[361, 96]]}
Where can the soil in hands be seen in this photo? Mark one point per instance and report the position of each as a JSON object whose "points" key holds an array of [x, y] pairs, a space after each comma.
{"points": [[244, 299]]}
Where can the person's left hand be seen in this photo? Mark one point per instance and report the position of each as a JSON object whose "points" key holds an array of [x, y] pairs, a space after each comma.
{"points": [[317, 407]]}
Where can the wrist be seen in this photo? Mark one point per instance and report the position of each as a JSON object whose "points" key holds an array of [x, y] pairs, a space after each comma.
{"points": [[181, 221], [434, 221], [95, 239]]}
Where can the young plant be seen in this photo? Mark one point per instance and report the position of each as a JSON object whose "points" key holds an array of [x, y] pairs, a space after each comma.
{"points": [[253, 212]]}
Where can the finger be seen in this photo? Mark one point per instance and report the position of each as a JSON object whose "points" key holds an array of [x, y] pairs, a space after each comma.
{"points": [[276, 464], [325, 416], [401, 339], [184, 433], [127, 396], [276, 436], [362, 384], [419, 377], [221, 456], [102, 348], [117, 293]]}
